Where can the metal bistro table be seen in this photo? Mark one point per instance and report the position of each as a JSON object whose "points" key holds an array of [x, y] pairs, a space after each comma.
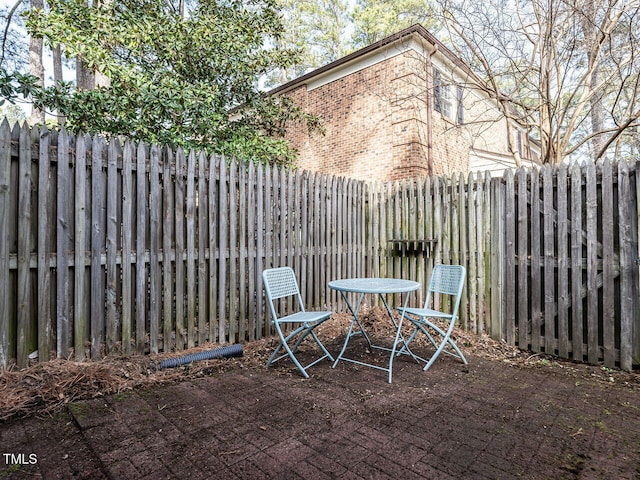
{"points": [[373, 286]]}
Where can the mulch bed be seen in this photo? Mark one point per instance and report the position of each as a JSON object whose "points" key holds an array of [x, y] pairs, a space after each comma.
{"points": [[44, 388]]}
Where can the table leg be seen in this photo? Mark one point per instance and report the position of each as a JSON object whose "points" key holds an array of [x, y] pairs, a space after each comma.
{"points": [[405, 349], [399, 338], [360, 330], [354, 321]]}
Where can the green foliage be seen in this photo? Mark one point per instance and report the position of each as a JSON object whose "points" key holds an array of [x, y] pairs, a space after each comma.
{"points": [[316, 29], [13, 113], [376, 19], [189, 82], [319, 29], [15, 85]]}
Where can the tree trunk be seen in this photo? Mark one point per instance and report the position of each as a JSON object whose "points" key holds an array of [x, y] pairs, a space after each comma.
{"points": [[84, 77], [36, 67], [590, 32], [597, 115], [99, 78], [57, 74]]}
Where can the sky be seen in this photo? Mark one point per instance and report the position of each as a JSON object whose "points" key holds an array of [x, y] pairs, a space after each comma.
{"points": [[67, 73], [6, 3]]}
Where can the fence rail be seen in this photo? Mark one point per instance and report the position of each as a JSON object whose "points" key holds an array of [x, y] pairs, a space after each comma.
{"points": [[118, 247]]}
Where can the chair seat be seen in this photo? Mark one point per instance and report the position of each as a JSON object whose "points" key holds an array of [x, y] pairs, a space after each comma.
{"points": [[425, 312], [446, 280], [280, 284], [305, 317]]}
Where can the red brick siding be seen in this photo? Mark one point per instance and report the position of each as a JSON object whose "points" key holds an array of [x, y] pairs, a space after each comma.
{"points": [[375, 122]]}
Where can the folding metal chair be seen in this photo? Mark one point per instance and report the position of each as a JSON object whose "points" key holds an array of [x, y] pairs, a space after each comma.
{"points": [[281, 283], [445, 280]]}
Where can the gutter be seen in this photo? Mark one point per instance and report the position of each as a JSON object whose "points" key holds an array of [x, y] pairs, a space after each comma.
{"points": [[354, 56], [430, 96]]}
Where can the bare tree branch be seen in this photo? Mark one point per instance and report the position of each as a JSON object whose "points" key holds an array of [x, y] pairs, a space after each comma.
{"points": [[565, 70], [10, 14]]}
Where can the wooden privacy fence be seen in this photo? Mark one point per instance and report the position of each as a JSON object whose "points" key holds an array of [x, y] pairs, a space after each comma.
{"points": [[123, 248], [128, 248], [551, 254], [569, 261]]}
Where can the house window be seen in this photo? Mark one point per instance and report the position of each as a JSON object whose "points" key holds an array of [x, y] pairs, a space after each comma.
{"points": [[520, 144], [460, 115], [524, 147], [442, 101]]}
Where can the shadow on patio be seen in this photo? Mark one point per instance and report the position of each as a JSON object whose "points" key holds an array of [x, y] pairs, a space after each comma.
{"points": [[504, 415]]}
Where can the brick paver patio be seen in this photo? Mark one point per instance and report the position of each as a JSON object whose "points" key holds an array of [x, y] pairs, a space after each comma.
{"points": [[487, 420]]}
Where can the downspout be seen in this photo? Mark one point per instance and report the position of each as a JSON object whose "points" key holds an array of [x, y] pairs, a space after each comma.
{"points": [[430, 111]]}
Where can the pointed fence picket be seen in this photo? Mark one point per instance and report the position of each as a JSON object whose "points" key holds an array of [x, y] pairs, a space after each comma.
{"points": [[131, 248]]}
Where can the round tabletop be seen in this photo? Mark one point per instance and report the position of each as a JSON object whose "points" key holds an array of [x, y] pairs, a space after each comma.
{"points": [[374, 285]]}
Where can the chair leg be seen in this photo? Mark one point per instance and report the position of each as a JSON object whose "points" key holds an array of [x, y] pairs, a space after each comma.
{"points": [[291, 350], [294, 359], [307, 331], [273, 356], [423, 326], [418, 327], [434, 356], [459, 353], [428, 335], [284, 343], [320, 344], [446, 338]]}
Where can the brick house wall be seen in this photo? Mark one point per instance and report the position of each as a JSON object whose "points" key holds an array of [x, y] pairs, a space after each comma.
{"points": [[376, 116], [372, 130]]}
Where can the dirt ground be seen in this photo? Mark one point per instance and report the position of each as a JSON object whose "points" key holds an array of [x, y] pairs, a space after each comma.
{"points": [[507, 414]]}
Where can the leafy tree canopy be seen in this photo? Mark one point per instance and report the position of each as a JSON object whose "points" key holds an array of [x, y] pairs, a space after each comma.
{"points": [[376, 19], [317, 29], [185, 81]]}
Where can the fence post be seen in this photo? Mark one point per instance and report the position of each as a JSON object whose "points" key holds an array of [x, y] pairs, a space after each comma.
{"points": [[141, 270], [127, 246], [636, 231], [628, 243], [44, 251], [593, 349], [112, 271], [548, 259], [5, 192], [63, 215], [509, 317], [25, 329], [155, 204], [496, 329]]}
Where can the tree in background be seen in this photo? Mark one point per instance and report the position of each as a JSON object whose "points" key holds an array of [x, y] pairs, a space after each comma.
{"points": [[325, 30], [13, 45], [14, 58], [374, 20], [21, 53], [36, 67], [566, 70], [184, 79], [314, 28], [13, 113]]}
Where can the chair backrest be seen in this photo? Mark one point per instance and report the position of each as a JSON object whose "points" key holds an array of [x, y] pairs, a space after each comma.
{"points": [[279, 283], [447, 279]]}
